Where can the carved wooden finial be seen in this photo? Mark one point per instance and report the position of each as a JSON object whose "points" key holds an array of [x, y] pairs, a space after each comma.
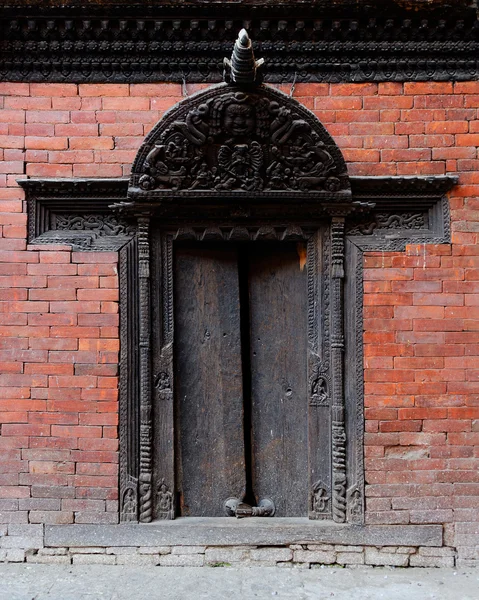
{"points": [[242, 68]]}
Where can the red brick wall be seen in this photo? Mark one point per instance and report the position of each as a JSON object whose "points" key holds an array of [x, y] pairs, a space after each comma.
{"points": [[59, 322]]}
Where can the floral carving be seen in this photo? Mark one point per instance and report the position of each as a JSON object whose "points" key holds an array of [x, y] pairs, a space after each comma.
{"points": [[381, 221], [100, 224]]}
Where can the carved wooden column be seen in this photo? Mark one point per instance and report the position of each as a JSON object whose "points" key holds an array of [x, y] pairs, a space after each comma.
{"points": [[145, 475], [129, 381], [337, 355], [163, 378]]}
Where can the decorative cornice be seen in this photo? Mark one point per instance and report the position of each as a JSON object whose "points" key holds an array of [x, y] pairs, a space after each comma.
{"points": [[88, 46], [96, 189], [386, 192], [79, 211]]}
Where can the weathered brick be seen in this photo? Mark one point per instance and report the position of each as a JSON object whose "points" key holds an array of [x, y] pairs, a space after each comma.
{"points": [[185, 560], [47, 559], [271, 555], [141, 559], [374, 557], [94, 559], [350, 558], [416, 560], [15, 555]]}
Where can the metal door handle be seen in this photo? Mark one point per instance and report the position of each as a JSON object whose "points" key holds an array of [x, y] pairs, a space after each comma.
{"points": [[235, 508]]}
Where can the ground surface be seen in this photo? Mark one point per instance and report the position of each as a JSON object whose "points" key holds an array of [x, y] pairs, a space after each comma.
{"points": [[103, 582]]}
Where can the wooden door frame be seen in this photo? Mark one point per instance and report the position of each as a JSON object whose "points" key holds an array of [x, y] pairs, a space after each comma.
{"points": [[341, 494]]}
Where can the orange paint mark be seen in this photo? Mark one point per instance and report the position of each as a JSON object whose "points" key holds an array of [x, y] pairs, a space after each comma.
{"points": [[302, 253]]}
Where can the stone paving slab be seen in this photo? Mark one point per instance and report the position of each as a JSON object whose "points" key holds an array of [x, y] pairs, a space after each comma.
{"points": [[103, 582]]}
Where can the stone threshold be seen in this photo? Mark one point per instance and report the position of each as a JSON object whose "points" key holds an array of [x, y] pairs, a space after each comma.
{"points": [[203, 531]]}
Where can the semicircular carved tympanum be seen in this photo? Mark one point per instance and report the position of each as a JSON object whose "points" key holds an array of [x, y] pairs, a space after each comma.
{"points": [[239, 137]]}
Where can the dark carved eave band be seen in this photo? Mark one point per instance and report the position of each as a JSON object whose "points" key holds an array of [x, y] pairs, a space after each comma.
{"points": [[433, 185], [176, 44]]}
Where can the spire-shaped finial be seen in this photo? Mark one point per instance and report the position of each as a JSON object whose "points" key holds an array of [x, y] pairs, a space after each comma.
{"points": [[242, 67]]}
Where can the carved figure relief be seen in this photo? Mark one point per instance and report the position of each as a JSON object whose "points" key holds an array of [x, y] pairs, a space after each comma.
{"points": [[240, 138], [318, 386], [320, 498], [129, 505], [319, 392], [164, 504], [239, 141], [355, 507], [162, 382]]}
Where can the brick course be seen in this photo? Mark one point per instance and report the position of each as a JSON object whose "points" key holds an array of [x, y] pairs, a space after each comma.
{"points": [[59, 311]]}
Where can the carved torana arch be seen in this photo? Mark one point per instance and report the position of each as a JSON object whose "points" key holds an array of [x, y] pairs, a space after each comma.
{"points": [[240, 139]]}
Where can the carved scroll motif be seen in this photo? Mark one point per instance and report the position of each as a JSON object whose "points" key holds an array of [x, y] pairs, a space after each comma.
{"points": [[388, 221], [100, 224]]}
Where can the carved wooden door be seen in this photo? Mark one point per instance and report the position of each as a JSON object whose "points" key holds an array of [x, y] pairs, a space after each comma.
{"points": [[241, 376]]}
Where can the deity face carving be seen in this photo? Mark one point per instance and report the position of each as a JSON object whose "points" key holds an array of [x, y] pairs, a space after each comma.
{"points": [[239, 119]]}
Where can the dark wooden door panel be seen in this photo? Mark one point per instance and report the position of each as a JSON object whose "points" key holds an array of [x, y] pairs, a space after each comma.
{"points": [[279, 394], [208, 378]]}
